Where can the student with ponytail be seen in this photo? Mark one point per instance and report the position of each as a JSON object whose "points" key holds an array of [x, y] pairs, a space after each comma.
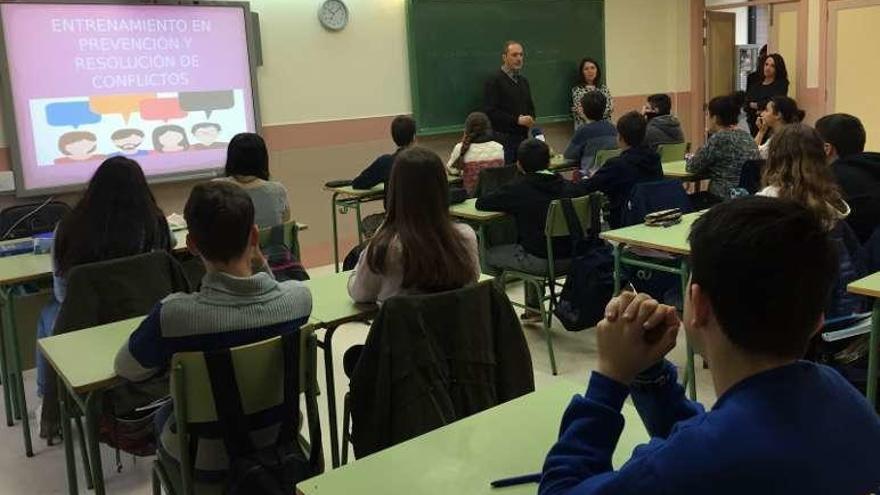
{"points": [[476, 151]]}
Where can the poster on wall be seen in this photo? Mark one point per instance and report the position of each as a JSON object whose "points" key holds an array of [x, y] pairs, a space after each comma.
{"points": [[167, 86]]}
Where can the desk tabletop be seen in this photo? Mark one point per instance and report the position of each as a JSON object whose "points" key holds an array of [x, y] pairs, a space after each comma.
{"points": [[672, 239], [677, 170], [559, 163], [24, 268], [508, 440], [84, 358], [868, 286], [331, 304], [468, 211]]}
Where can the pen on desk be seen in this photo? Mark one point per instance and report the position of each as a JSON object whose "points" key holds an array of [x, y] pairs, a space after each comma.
{"points": [[517, 480]]}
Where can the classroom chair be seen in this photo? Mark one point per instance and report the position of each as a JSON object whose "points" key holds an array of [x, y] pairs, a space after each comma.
{"points": [[280, 246], [30, 219], [430, 360], [672, 152], [586, 208], [472, 171], [104, 292], [603, 156], [502, 231], [269, 377]]}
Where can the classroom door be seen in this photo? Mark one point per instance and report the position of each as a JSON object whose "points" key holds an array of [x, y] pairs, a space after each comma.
{"points": [[784, 40], [852, 73], [720, 53]]}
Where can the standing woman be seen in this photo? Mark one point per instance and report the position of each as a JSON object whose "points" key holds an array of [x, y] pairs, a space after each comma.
{"points": [[589, 79], [775, 83]]}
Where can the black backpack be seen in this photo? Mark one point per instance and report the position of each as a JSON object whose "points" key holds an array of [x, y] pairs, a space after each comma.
{"points": [[283, 262], [273, 470], [589, 284]]}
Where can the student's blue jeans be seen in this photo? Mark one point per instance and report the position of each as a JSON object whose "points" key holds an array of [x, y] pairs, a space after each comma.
{"points": [[45, 327]]}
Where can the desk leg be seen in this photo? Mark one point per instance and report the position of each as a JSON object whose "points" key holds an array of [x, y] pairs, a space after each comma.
{"points": [[872, 355], [481, 234], [92, 411], [327, 345], [7, 395], [616, 251], [335, 232], [16, 384], [360, 222], [67, 433], [690, 376]]}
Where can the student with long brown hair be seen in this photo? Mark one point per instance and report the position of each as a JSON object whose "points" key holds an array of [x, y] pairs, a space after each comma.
{"points": [[476, 151], [418, 249], [796, 170]]}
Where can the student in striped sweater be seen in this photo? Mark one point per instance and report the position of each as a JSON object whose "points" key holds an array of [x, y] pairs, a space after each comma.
{"points": [[239, 303]]}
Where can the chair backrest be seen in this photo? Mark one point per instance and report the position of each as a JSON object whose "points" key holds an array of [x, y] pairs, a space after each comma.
{"points": [[472, 171], [286, 233], [603, 156], [648, 197], [112, 290], [259, 373], [672, 152], [556, 223], [750, 175], [420, 348], [491, 179], [26, 220]]}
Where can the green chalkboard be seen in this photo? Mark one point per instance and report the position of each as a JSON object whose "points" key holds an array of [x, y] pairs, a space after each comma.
{"points": [[454, 45]]}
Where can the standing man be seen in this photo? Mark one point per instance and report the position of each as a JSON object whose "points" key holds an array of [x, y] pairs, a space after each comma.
{"points": [[508, 101]]}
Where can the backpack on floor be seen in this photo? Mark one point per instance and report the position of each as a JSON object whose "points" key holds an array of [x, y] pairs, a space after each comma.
{"points": [[589, 284]]}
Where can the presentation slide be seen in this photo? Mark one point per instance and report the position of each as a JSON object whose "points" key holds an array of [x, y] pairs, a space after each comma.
{"points": [[167, 86]]}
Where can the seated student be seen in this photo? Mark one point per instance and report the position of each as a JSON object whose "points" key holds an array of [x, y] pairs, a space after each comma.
{"points": [[636, 163], [116, 217], [780, 424], [236, 305], [247, 164], [723, 155], [528, 200], [663, 127], [418, 249], [796, 170], [780, 111], [476, 151], [403, 132], [857, 171], [597, 133]]}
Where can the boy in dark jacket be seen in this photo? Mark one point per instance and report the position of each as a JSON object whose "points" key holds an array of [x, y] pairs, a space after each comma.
{"points": [[636, 163], [857, 172], [403, 132], [528, 200], [780, 424], [597, 134]]}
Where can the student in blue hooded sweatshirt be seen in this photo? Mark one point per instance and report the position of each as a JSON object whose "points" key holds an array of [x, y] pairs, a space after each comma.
{"points": [[636, 163], [762, 270]]}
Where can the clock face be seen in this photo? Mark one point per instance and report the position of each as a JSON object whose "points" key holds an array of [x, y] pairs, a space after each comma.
{"points": [[333, 15]]}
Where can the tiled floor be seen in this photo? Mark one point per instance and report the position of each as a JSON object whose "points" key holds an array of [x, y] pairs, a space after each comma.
{"points": [[45, 473]]}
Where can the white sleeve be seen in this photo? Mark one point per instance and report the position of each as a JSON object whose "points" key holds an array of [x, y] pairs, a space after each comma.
{"points": [[363, 284], [456, 151]]}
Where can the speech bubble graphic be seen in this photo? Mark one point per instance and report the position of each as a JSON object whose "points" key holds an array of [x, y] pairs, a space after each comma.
{"points": [[70, 113], [121, 104], [207, 101], [161, 109]]}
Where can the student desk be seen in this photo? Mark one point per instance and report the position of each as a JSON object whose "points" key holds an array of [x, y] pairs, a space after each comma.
{"points": [[672, 240], [511, 439], [83, 361], [870, 286], [559, 163], [678, 170], [468, 213]]}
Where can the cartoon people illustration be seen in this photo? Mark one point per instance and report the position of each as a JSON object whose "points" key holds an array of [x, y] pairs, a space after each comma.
{"points": [[77, 146], [207, 133], [169, 139], [128, 141]]}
